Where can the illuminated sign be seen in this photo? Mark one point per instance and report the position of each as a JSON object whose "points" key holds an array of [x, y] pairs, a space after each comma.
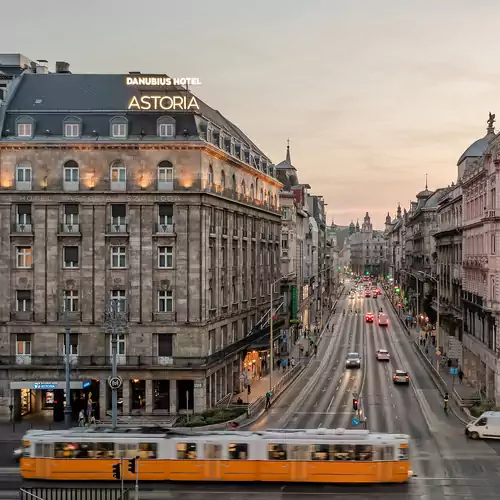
{"points": [[45, 386], [160, 81], [163, 102]]}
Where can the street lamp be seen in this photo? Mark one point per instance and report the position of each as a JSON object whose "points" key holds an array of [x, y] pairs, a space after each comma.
{"points": [[271, 343], [116, 320], [68, 412]]}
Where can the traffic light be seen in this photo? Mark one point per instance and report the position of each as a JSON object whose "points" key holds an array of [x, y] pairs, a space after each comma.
{"points": [[116, 471], [338, 267], [397, 290], [367, 272], [354, 404], [131, 465], [388, 276]]}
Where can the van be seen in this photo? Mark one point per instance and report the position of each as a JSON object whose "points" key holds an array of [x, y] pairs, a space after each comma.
{"points": [[383, 320], [486, 426]]}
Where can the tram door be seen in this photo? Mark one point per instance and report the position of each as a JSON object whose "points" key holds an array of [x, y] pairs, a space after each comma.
{"points": [[213, 456]]}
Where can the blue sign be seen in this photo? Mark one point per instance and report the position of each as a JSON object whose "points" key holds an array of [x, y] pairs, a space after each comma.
{"points": [[284, 339], [454, 371], [45, 387], [86, 384], [355, 421], [417, 330]]}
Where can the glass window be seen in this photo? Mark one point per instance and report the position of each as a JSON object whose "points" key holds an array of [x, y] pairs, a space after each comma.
{"points": [[166, 130], [238, 451], [24, 130], [165, 301], [147, 450], [384, 453], [119, 130], [23, 173], [127, 450], [320, 452], [276, 452], [299, 452], [404, 452], [118, 172], [363, 453], [24, 257], [213, 451], [73, 450], [186, 451], [71, 129], [118, 257], [165, 257], [105, 450]]}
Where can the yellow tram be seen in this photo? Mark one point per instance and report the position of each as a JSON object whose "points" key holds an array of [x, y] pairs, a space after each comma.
{"points": [[302, 455]]}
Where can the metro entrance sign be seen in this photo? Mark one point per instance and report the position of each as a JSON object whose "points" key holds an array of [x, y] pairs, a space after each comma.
{"points": [[115, 382]]}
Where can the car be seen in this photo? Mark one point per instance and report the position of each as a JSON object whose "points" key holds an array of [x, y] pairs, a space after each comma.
{"points": [[368, 294], [353, 360], [352, 296], [378, 292], [369, 317], [383, 320], [401, 377], [382, 355]]}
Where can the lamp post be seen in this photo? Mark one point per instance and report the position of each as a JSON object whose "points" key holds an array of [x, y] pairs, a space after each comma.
{"points": [[68, 411], [116, 319]]}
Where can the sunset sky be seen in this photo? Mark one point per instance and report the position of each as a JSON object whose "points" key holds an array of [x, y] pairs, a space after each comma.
{"points": [[372, 94]]}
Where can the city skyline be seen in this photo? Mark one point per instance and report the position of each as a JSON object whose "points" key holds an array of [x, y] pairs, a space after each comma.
{"points": [[388, 115]]}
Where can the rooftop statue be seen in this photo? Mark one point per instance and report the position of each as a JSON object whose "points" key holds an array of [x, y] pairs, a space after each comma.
{"points": [[491, 119]]}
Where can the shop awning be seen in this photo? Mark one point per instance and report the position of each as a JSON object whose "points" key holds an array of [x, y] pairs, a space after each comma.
{"points": [[262, 343]]}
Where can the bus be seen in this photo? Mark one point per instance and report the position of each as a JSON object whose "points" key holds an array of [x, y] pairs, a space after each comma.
{"points": [[298, 455], [383, 320]]}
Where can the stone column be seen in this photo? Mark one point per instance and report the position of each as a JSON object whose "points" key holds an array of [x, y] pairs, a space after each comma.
{"points": [[173, 396], [149, 396], [103, 388], [199, 395], [126, 396]]}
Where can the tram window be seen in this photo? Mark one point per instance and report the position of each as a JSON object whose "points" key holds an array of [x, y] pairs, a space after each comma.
{"points": [[299, 452], [238, 451], [276, 452], [47, 450], [383, 453], [404, 453], [39, 450], [363, 453], [147, 450], [213, 451], [320, 452], [105, 450], [186, 451], [343, 452], [129, 450], [73, 450]]}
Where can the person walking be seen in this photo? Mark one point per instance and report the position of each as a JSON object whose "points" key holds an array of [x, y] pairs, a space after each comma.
{"points": [[268, 399], [460, 375], [81, 419]]}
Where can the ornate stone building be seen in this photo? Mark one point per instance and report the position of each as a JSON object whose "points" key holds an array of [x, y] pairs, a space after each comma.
{"points": [[173, 213]]}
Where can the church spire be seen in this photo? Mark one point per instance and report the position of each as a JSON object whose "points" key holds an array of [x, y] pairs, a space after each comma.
{"points": [[288, 152], [426, 182]]}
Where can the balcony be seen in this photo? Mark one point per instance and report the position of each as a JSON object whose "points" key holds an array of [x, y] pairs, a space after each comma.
{"points": [[22, 316], [23, 185], [117, 229], [165, 228], [22, 229], [71, 186], [165, 185], [118, 185], [70, 229]]}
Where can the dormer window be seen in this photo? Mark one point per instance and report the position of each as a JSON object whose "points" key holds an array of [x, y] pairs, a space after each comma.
{"points": [[72, 127], [209, 134], [119, 126], [24, 130], [166, 127]]}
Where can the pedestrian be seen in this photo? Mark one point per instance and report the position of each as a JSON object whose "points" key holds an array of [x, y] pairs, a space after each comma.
{"points": [[288, 362], [278, 363], [81, 419], [460, 375], [293, 362], [268, 399], [284, 364]]}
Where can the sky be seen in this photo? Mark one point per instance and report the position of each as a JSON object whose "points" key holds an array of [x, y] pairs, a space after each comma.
{"points": [[372, 94]]}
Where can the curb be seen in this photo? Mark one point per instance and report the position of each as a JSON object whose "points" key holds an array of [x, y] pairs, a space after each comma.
{"points": [[438, 381]]}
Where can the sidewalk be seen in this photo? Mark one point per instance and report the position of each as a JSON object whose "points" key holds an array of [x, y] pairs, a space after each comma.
{"points": [[259, 387], [463, 390]]}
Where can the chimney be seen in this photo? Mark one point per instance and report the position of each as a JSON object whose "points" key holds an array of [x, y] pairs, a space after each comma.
{"points": [[62, 67], [42, 67]]}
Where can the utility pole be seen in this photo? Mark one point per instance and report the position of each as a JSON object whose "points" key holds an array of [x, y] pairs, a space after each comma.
{"points": [[116, 320], [68, 412]]}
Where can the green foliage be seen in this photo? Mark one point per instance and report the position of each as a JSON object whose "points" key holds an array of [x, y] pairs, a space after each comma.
{"points": [[210, 417]]}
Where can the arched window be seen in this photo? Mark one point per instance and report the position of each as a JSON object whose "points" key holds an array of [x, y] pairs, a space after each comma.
{"points": [[119, 127], [233, 184], [243, 188], [25, 127], [223, 179], [210, 177], [71, 176], [252, 191], [118, 176], [23, 176], [165, 176], [165, 127]]}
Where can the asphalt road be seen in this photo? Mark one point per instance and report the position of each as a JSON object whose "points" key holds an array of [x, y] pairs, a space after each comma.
{"points": [[445, 463]]}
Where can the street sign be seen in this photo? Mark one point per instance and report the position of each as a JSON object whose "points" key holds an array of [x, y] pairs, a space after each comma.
{"points": [[438, 353], [454, 371], [355, 421], [115, 382]]}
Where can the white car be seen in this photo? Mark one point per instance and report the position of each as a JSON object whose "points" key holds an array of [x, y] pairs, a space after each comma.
{"points": [[383, 355]]}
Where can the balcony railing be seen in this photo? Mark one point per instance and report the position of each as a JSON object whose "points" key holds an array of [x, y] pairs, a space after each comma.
{"points": [[165, 228], [117, 229], [69, 228], [22, 228]]}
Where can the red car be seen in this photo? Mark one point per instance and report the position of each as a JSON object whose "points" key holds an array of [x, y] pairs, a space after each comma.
{"points": [[369, 317]]}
